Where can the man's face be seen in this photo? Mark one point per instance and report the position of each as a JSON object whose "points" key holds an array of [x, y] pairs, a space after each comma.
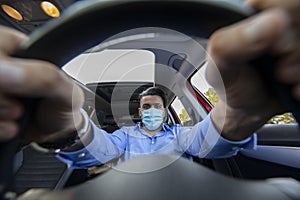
{"points": [[151, 101]]}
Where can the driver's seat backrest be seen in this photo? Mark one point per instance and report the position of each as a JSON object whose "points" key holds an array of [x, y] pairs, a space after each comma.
{"points": [[40, 170]]}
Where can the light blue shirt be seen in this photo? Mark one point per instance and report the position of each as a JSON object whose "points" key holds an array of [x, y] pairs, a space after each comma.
{"points": [[202, 140]]}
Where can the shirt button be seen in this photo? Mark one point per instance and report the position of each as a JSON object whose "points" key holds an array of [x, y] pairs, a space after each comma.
{"points": [[234, 148], [152, 142], [81, 155], [57, 150]]}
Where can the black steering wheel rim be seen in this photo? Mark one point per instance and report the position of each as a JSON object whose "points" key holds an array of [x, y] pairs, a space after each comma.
{"points": [[87, 24]]}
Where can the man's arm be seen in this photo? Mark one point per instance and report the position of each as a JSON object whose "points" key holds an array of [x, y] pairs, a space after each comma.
{"points": [[96, 147], [245, 103], [205, 141]]}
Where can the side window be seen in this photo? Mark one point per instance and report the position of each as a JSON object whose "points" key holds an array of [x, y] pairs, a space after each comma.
{"points": [[181, 113], [198, 80]]}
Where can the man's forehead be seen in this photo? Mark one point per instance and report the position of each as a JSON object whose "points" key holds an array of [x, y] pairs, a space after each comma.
{"points": [[151, 98]]}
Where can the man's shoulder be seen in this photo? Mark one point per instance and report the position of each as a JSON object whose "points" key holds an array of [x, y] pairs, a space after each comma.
{"points": [[172, 127], [129, 128]]}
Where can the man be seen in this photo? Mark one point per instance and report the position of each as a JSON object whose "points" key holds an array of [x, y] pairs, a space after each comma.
{"points": [[274, 30], [151, 136]]}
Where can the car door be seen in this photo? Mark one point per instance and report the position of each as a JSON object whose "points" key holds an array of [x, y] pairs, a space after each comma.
{"points": [[278, 150]]}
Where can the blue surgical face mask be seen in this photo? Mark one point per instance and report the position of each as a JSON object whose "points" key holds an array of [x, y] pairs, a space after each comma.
{"points": [[152, 118]]}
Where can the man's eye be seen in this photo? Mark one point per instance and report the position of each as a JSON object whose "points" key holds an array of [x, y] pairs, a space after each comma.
{"points": [[146, 106], [157, 106]]}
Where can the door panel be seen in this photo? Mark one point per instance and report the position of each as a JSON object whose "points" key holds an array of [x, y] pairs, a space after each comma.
{"points": [[277, 155]]}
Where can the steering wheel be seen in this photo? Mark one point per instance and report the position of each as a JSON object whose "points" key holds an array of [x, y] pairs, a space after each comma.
{"points": [[85, 25]]}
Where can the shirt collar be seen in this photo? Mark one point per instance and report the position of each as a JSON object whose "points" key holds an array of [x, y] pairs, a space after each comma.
{"points": [[165, 128]]}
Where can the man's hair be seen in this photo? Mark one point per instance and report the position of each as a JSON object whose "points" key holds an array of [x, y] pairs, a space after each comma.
{"points": [[154, 91]]}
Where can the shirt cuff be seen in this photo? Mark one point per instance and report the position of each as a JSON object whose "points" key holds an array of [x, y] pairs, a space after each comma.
{"points": [[81, 158], [224, 148]]}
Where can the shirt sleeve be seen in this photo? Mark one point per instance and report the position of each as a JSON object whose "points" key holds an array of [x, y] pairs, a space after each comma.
{"points": [[205, 141], [103, 148]]}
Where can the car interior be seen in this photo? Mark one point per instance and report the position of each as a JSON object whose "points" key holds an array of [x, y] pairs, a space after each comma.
{"points": [[272, 171]]}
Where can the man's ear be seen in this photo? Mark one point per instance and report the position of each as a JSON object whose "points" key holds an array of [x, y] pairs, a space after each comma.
{"points": [[140, 112], [165, 116]]}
